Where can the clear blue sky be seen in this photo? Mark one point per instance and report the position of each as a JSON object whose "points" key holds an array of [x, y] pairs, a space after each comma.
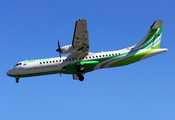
{"points": [[145, 90]]}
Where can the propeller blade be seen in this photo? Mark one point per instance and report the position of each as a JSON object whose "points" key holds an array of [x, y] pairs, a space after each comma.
{"points": [[58, 44], [59, 49]]}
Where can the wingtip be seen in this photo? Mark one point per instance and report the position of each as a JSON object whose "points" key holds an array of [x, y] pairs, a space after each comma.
{"points": [[80, 19]]}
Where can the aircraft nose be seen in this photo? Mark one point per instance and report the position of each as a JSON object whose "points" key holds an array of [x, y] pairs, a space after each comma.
{"points": [[8, 73]]}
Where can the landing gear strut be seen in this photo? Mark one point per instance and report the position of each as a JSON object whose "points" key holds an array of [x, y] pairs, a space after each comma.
{"points": [[17, 80], [80, 70]]}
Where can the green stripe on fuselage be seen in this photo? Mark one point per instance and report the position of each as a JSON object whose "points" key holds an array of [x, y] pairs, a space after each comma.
{"points": [[90, 64], [131, 59], [71, 68]]}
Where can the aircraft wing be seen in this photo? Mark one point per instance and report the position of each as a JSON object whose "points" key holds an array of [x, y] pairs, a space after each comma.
{"points": [[81, 37]]}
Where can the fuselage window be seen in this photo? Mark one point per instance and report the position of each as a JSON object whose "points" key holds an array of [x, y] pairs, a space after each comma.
{"points": [[63, 60], [96, 56], [86, 57], [43, 62], [66, 59], [106, 55], [69, 59], [56, 60], [72, 58], [47, 62], [60, 60], [99, 55], [93, 56], [83, 58], [89, 56], [50, 61], [118, 53], [115, 53], [40, 62], [79, 58], [112, 54], [109, 54], [103, 55], [53, 61]]}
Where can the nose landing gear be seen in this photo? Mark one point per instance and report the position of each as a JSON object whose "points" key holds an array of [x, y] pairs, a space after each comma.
{"points": [[17, 80]]}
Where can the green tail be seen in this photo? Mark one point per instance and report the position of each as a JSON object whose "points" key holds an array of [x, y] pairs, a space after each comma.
{"points": [[153, 38]]}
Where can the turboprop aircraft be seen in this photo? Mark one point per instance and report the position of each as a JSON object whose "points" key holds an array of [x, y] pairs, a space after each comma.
{"points": [[80, 61]]}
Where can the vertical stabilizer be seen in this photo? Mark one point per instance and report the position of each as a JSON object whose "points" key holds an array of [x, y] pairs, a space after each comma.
{"points": [[153, 37]]}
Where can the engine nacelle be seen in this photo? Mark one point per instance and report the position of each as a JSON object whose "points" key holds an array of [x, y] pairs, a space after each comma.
{"points": [[67, 49]]}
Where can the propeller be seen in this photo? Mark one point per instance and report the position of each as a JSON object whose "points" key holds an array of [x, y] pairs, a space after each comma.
{"points": [[59, 49]]}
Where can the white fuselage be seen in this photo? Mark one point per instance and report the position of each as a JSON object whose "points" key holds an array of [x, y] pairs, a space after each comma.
{"points": [[57, 63]]}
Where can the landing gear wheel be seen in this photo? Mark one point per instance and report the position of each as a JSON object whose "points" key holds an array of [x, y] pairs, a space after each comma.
{"points": [[81, 77], [17, 80]]}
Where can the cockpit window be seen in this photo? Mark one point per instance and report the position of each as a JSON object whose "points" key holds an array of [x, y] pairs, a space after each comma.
{"points": [[18, 64]]}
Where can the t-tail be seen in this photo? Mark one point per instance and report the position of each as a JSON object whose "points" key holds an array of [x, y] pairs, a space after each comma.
{"points": [[153, 38]]}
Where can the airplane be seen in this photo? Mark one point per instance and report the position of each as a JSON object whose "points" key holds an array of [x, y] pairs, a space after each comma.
{"points": [[80, 61]]}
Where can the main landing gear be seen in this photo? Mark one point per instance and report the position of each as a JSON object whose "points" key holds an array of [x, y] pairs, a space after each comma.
{"points": [[80, 68], [81, 77], [80, 71], [17, 80]]}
